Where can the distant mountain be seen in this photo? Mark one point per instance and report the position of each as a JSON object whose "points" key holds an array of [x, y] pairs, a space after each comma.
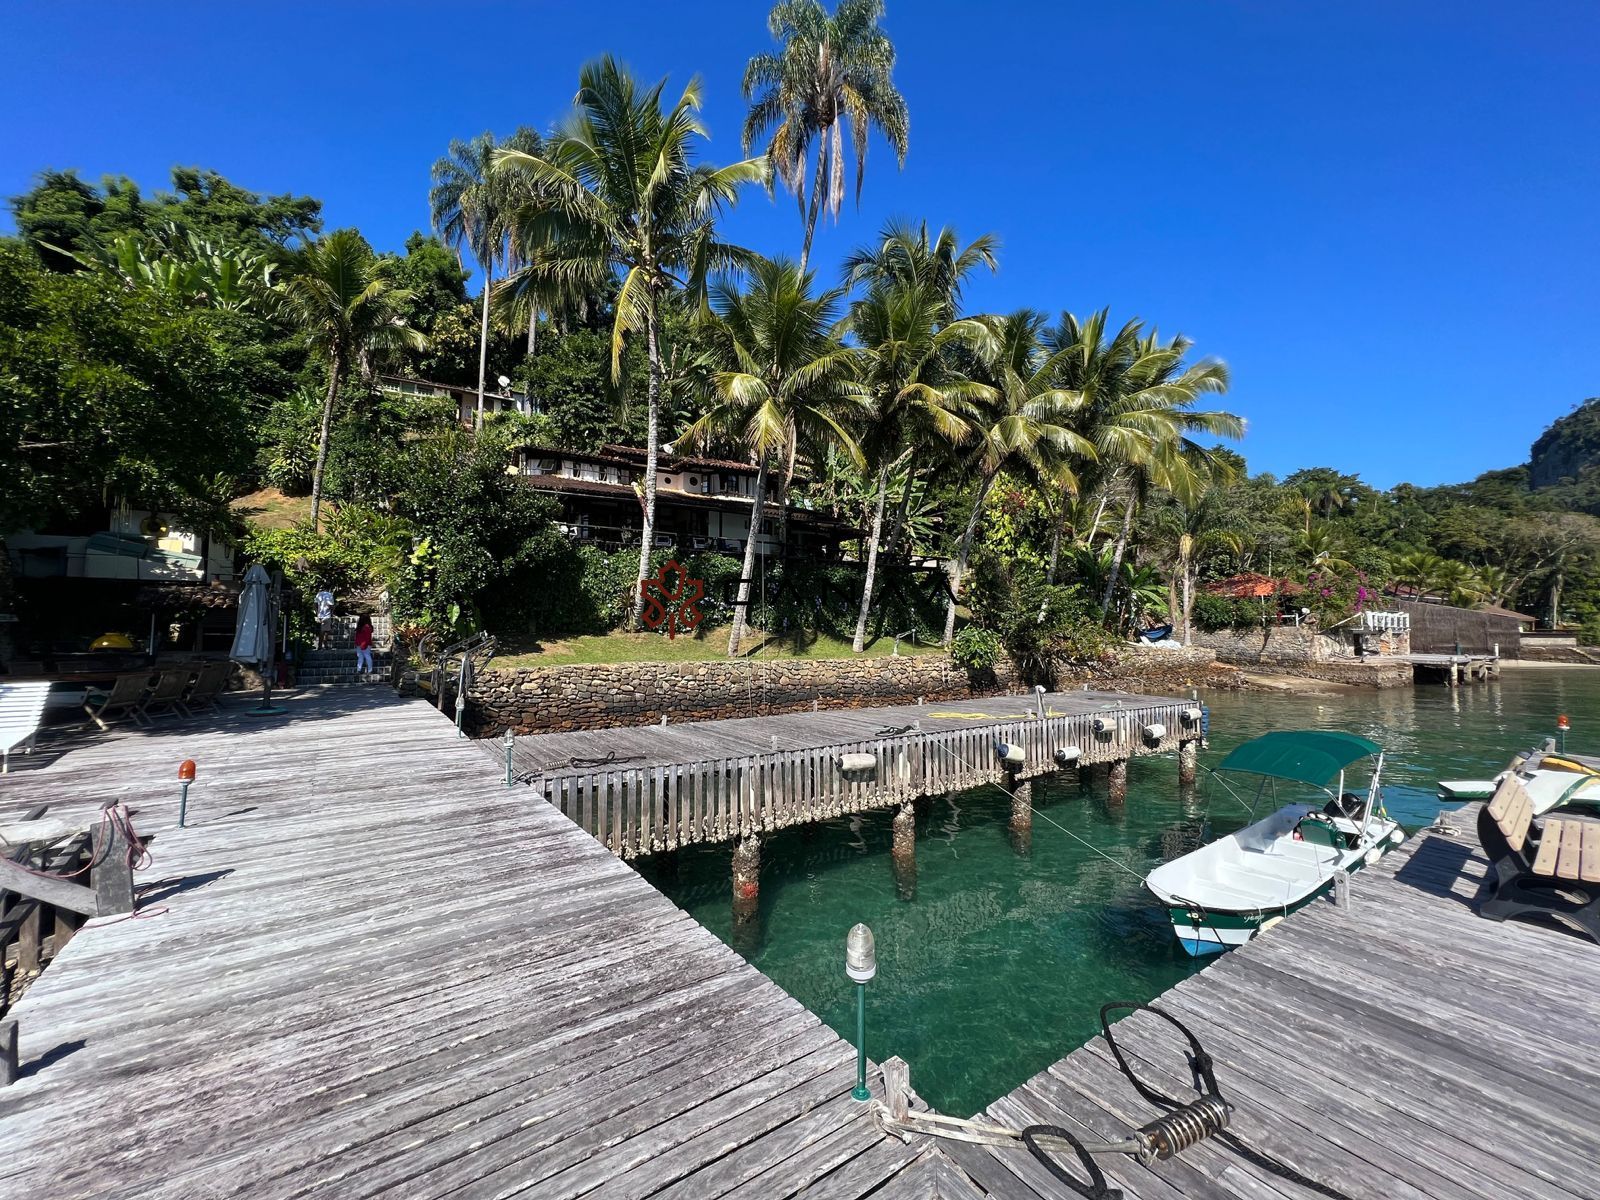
{"points": [[1565, 461]]}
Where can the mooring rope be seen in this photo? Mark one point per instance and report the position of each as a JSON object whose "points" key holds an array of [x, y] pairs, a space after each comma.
{"points": [[1184, 1124], [1120, 865]]}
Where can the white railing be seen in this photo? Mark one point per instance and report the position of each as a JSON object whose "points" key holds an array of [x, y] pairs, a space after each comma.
{"points": [[1385, 622]]}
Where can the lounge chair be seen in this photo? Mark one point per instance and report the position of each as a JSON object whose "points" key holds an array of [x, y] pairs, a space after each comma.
{"points": [[124, 698], [21, 713], [208, 685], [1550, 869], [166, 693]]}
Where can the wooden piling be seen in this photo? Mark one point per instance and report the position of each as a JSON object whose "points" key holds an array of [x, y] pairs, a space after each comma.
{"points": [[1117, 780], [746, 878], [1188, 762], [903, 854]]}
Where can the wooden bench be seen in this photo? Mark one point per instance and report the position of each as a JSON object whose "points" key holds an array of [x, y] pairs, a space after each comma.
{"points": [[1549, 869]]}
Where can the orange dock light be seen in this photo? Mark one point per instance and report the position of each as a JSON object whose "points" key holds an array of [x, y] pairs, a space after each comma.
{"points": [[1563, 724], [185, 778]]}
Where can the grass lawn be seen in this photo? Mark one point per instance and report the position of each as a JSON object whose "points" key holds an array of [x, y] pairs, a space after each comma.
{"points": [[710, 646], [271, 509]]}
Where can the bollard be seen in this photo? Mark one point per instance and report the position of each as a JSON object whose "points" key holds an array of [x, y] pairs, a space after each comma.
{"points": [[185, 778]]}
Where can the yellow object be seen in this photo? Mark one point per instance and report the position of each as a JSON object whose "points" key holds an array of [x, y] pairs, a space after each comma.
{"points": [[1566, 764], [112, 641]]}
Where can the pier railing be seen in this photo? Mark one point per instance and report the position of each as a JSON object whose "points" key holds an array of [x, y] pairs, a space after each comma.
{"points": [[642, 810]]}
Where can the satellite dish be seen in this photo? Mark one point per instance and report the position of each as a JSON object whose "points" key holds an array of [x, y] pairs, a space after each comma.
{"points": [[505, 381]]}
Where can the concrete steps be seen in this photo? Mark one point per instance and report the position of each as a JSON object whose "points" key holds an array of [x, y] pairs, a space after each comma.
{"points": [[338, 666]]}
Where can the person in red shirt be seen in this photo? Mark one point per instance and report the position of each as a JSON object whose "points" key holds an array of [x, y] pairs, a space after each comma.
{"points": [[363, 642]]}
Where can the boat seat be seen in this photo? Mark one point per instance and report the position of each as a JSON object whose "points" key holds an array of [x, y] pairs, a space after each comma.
{"points": [[1243, 893]]}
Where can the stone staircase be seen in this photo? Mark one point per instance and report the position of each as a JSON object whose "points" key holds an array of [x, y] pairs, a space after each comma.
{"points": [[337, 666]]}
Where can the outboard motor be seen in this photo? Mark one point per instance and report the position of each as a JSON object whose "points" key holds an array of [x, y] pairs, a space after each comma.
{"points": [[1346, 805]]}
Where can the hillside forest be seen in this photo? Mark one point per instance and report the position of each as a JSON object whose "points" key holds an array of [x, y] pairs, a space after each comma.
{"points": [[1031, 483]]}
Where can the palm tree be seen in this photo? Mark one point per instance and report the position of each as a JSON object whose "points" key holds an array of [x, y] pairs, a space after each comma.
{"points": [[1418, 570], [1324, 552], [616, 194], [1024, 430], [341, 298], [906, 254], [829, 71], [1136, 408], [781, 376], [938, 267], [920, 398], [469, 205]]}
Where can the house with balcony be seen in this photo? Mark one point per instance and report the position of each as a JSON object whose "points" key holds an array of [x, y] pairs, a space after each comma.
{"points": [[701, 503], [495, 400]]}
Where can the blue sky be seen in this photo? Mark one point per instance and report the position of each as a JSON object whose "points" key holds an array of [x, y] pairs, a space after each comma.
{"points": [[1382, 215]]}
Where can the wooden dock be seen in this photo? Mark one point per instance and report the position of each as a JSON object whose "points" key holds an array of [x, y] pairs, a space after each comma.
{"points": [[1450, 669], [644, 789], [370, 969], [1400, 1049]]}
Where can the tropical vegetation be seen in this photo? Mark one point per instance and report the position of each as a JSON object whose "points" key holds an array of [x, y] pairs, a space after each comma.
{"points": [[1036, 485]]}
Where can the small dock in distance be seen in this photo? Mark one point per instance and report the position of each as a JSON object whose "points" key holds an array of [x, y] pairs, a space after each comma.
{"points": [[650, 788], [1450, 669]]}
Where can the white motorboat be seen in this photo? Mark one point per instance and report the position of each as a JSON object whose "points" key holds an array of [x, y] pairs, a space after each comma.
{"points": [[1221, 895]]}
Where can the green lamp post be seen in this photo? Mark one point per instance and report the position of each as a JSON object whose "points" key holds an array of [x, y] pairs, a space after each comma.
{"points": [[860, 964]]}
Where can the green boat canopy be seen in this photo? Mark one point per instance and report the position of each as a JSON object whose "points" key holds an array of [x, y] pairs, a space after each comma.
{"points": [[1314, 756]]}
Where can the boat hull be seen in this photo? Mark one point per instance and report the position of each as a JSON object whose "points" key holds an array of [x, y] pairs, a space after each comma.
{"points": [[1211, 930]]}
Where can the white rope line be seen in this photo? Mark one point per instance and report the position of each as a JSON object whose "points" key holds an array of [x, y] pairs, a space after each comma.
{"points": [[996, 784]]}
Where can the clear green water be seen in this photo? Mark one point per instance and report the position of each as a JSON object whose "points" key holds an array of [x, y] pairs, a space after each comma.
{"points": [[998, 965]]}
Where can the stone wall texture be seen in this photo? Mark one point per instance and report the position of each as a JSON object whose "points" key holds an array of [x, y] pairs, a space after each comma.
{"points": [[542, 699], [1275, 645]]}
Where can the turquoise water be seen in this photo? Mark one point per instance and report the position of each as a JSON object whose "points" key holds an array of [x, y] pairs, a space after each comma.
{"points": [[994, 962]]}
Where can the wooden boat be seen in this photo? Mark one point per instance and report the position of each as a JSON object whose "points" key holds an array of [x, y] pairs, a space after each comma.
{"points": [[1221, 895]]}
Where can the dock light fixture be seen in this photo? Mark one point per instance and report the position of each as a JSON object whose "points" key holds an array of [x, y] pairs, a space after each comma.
{"points": [[508, 739], [861, 965], [1012, 757], [1065, 756], [185, 778], [1563, 727]]}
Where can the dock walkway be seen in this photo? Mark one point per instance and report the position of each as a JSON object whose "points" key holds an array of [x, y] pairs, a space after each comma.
{"points": [[1401, 1049], [367, 968], [647, 788]]}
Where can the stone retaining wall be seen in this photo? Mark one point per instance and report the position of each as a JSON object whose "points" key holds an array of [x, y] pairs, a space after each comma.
{"points": [[542, 699]]}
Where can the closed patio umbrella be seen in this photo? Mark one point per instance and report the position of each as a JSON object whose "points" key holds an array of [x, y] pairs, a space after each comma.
{"points": [[253, 641]]}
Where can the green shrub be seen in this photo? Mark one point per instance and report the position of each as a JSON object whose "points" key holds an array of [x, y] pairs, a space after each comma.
{"points": [[976, 649], [1212, 613]]}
